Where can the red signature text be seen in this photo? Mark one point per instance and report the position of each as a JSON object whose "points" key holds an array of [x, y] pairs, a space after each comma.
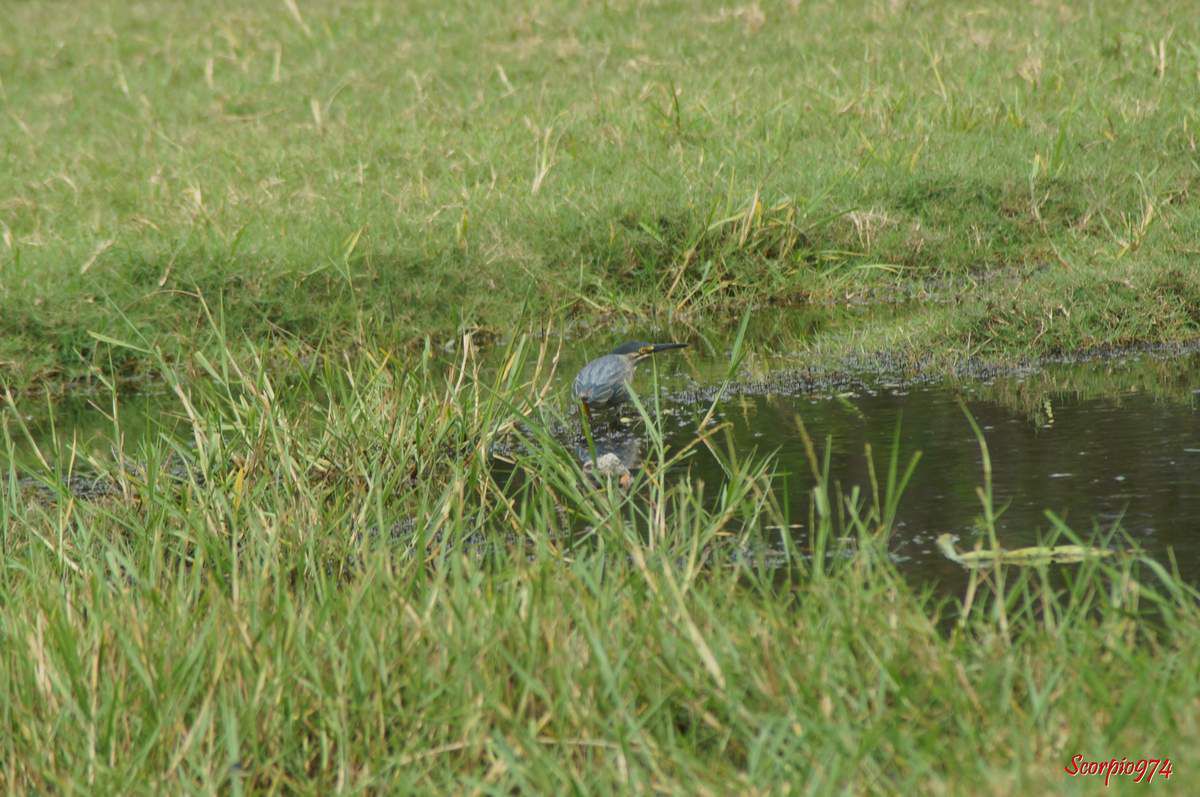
{"points": [[1141, 770]]}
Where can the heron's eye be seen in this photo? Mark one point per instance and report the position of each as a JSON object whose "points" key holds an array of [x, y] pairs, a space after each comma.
{"points": [[647, 350]]}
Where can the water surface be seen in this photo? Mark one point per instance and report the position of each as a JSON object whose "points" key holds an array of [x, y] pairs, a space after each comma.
{"points": [[1099, 443]]}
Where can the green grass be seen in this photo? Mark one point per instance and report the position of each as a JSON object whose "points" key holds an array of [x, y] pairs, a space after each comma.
{"points": [[245, 628], [353, 167], [279, 212]]}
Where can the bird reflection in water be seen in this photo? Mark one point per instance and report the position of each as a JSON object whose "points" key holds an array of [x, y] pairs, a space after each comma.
{"points": [[616, 457]]}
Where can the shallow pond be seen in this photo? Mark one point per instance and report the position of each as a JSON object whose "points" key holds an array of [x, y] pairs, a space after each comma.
{"points": [[1102, 442], [1097, 443], [1093, 461]]}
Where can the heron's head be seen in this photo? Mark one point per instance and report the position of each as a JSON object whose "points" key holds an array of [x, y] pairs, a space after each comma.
{"points": [[639, 350]]}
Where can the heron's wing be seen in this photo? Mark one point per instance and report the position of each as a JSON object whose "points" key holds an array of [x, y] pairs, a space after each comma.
{"points": [[603, 380]]}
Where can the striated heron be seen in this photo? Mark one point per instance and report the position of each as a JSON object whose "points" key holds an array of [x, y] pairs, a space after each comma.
{"points": [[604, 382]]}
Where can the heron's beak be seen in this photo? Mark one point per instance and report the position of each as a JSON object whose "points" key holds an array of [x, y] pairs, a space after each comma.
{"points": [[655, 348]]}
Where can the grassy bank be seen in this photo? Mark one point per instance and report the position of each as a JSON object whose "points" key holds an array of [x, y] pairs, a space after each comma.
{"points": [[249, 626], [308, 576], [321, 171]]}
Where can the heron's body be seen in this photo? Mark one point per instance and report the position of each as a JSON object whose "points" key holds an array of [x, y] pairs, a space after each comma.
{"points": [[604, 382]]}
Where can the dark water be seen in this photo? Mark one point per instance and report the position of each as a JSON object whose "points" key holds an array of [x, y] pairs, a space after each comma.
{"points": [[1097, 443], [1094, 462]]}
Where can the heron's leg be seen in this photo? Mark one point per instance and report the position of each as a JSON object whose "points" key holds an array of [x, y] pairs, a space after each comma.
{"points": [[586, 426]]}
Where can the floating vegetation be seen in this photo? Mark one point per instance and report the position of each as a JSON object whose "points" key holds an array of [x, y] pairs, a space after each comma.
{"points": [[1032, 555]]}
